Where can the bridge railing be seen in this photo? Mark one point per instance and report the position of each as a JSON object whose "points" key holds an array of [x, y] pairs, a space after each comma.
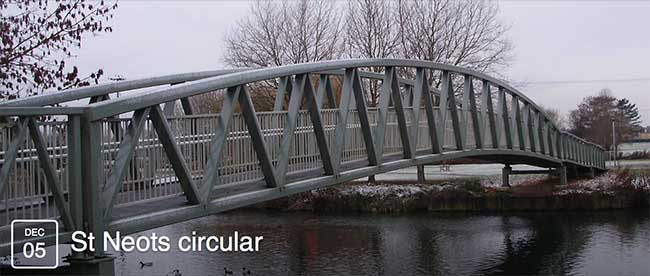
{"points": [[98, 166]]}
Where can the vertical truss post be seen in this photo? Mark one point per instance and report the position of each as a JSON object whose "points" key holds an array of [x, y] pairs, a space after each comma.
{"points": [[473, 111], [448, 101], [525, 126], [540, 131], [92, 175], [506, 175], [503, 109], [169, 108], [487, 105], [549, 139], [532, 129], [518, 122], [416, 104], [74, 170], [284, 87], [562, 174], [465, 109], [420, 172], [558, 144]]}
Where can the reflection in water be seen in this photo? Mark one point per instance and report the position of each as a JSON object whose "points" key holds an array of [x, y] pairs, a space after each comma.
{"points": [[560, 243]]}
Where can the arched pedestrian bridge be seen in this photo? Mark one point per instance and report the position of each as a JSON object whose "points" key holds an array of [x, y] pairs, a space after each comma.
{"points": [[140, 160]]}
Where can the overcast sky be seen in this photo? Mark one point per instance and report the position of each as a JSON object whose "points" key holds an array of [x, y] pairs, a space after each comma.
{"points": [[554, 41]]}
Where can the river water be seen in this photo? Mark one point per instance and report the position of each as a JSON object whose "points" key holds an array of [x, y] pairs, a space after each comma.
{"points": [[302, 243]]}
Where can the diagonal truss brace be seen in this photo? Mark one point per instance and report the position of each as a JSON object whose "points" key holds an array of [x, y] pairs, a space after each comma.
{"points": [[123, 159], [50, 175], [211, 176], [257, 138]]}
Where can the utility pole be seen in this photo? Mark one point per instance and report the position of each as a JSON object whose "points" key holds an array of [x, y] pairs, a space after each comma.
{"points": [[614, 141]]}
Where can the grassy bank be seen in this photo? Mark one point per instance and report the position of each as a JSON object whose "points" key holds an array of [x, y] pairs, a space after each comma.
{"points": [[611, 190]]}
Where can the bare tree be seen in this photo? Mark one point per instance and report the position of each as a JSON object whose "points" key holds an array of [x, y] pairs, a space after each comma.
{"points": [[287, 32], [555, 116], [371, 33], [462, 33]]}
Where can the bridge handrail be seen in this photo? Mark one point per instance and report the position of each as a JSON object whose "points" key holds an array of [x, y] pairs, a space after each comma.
{"points": [[57, 97]]}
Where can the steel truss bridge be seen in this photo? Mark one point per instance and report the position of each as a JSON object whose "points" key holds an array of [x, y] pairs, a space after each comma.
{"points": [[133, 163]]}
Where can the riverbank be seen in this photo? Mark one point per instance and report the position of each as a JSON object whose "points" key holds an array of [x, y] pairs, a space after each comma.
{"points": [[612, 190]]}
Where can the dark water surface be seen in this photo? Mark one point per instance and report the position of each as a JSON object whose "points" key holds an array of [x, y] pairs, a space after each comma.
{"points": [[559, 243]]}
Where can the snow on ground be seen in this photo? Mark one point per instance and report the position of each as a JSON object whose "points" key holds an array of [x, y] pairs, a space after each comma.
{"points": [[384, 190], [607, 183]]}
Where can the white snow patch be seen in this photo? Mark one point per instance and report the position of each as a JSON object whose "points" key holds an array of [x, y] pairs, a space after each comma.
{"points": [[382, 190], [605, 183]]}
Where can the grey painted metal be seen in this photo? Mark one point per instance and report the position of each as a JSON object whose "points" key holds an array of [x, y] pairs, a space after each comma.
{"points": [[518, 123], [188, 109], [166, 138], [50, 175], [218, 142], [505, 116], [10, 155], [161, 218], [540, 132], [295, 101], [315, 114], [448, 102], [36, 111], [257, 138], [281, 152], [465, 110], [385, 94], [126, 104], [416, 104], [493, 126], [422, 84], [74, 171], [285, 86], [93, 216], [325, 90], [105, 89], [474, 113], [169, 108], [123, 159], [362, 111], [396, 95]]}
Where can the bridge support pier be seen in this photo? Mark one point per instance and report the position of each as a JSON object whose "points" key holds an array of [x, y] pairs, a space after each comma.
{"points": [[420, 169], [96, 266], [506, 175], [562, 175]]}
